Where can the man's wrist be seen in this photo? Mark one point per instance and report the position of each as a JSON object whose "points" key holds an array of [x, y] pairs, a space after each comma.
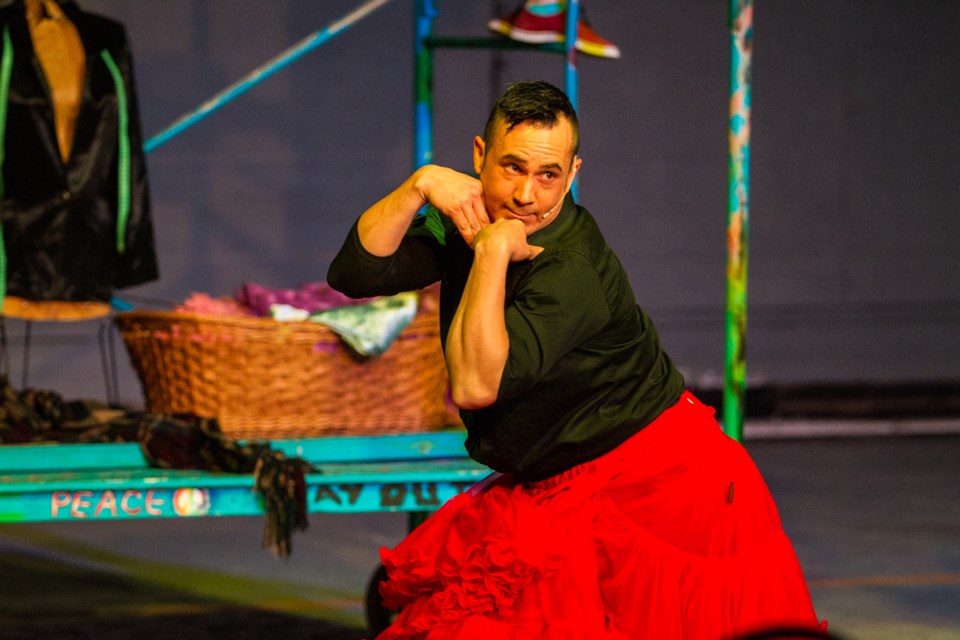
{"points": [[491, 249], [420, 183]]}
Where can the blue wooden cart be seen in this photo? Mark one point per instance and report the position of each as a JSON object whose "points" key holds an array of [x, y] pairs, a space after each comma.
{"points": [[408, 472], [413, 473]]}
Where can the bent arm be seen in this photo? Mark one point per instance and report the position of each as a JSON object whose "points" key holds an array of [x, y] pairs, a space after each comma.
{"points": [[381, 227], [478, 343], [459, 197], [380, 256]]}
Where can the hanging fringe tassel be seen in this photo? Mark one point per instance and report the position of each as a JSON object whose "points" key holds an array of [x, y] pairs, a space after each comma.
{"points": [[282, 483]]}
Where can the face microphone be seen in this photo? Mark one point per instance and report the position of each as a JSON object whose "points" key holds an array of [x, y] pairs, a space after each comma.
{"points": [[554, 208]]}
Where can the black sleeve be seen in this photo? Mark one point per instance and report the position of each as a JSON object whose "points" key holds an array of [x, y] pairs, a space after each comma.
{"points": [[359, 274]]}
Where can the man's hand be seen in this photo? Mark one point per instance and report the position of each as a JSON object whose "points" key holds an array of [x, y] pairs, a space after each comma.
{"points": [[455, 195], [507, 237]]}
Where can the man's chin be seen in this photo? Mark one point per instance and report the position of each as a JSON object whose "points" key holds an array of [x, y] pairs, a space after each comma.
{"points": [[525, 218], [531, 221]]}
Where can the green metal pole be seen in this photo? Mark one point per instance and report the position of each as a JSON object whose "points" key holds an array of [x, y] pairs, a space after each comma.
{"points": [[738, 207]]}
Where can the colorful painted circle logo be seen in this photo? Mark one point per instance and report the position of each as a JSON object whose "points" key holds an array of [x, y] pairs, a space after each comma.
{"points": [[191, 502]]}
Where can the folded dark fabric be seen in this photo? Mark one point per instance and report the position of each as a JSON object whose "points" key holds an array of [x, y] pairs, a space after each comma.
{"points": [[188, 442]]}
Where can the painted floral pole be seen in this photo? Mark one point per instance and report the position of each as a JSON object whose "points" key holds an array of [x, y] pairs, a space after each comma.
{"points": [[738, 206]]}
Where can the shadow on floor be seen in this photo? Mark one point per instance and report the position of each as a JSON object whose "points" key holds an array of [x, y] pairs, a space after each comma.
{"points": [[45, 597]]}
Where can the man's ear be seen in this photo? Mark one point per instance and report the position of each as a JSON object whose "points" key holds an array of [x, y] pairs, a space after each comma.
{"points": [[478, 151], [574, 168]]}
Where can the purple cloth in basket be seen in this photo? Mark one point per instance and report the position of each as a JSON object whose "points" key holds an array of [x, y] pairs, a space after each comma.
{"points": [[311, 297]]}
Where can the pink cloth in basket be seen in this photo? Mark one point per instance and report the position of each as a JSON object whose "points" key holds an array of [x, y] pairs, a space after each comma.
{"points": [[207, 305]]}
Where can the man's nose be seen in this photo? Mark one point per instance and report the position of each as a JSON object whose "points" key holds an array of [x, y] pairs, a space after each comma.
{"points": [[523, 191]]}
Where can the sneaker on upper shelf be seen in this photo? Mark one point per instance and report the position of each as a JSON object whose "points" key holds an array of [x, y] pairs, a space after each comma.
{"points": [[528, 27]]}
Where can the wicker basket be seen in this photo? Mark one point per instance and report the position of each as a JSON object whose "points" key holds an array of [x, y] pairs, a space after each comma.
{"points": [[267, 379]]}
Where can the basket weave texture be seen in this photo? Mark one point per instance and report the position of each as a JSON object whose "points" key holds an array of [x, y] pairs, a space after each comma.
{"points": [[264, 379]]}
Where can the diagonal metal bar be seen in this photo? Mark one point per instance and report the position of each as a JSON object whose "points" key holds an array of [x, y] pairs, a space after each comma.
{"points": [[263, 72]]}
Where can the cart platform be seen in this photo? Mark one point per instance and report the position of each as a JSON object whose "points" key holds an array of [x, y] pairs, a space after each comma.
{"points": [[405, 472]]}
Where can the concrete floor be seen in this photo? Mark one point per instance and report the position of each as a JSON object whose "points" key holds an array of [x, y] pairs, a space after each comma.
{"points": [[875, 522]]}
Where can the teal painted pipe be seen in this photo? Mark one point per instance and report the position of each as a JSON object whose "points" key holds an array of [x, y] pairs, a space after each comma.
{"points": [[571, 78], [570, 45], [425, 14]]}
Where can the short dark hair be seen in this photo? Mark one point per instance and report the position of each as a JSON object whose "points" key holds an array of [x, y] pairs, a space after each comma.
{"points": [[534, 101]]}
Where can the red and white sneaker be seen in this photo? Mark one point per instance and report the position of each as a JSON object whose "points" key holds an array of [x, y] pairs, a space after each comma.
{"points": [[524, 26]]}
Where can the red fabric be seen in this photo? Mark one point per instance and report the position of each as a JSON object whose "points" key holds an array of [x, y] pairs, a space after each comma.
{"points": [[673, 535]]}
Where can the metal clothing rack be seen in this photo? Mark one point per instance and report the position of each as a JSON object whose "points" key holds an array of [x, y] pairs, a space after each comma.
{"points": [[105, 340]]}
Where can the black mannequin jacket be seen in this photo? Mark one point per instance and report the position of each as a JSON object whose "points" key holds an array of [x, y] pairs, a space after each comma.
{"points": [[64, 234]]}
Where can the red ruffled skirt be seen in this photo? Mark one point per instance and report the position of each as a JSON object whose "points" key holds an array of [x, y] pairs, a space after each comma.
{"points": [[673, 535]]}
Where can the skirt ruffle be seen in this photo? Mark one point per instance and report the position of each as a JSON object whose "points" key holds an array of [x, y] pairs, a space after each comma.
{"points": [[671, 536], [485, 557]]}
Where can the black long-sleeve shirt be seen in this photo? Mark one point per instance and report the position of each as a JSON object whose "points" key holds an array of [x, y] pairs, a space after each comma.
{"points": [[585, 369]]}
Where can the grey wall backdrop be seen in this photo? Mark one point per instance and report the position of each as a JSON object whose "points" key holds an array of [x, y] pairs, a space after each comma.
{"points": [[855, 175]]}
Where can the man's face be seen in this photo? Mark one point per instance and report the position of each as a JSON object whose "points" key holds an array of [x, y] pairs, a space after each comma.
{"points": [[526, 172]]}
